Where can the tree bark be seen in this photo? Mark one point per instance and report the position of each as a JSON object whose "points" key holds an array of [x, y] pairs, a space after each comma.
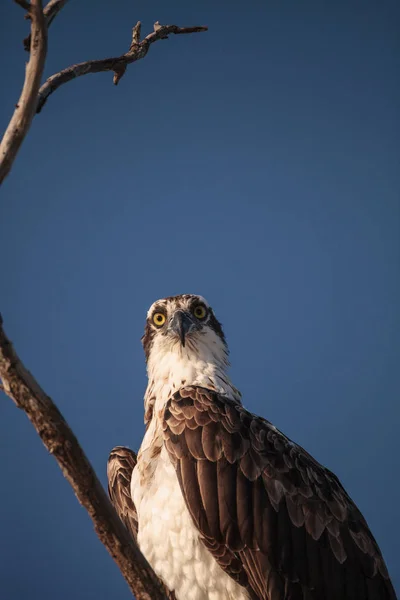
{"points": [[25, 109], [56, 435]]}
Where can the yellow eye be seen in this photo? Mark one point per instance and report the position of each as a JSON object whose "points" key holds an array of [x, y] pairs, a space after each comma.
{"points": [[200, 311], [159, 319]]}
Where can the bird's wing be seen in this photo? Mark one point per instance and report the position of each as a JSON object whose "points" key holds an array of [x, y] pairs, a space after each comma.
{"points": [[276, 520], [121, 463]]}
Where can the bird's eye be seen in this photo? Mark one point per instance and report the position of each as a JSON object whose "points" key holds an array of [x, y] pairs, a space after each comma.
{"points": [[159, 319], [200, 311]]}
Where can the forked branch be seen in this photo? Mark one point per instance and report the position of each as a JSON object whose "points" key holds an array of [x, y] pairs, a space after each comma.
{"points": [[50, 12], [117, 64], [34, 97]]}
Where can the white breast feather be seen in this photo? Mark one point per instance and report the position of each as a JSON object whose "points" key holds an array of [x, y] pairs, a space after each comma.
{"points": [[167, 535], [170, 541]]}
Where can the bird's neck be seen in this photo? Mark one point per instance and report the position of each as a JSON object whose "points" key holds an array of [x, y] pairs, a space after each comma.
{"points": [[181, 367]]}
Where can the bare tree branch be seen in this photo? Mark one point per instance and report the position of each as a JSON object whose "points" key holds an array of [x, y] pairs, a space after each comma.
{"points": [[58, 438], [26, 108], [136, 34], [23, 4], [50, 11], [117, 64]]}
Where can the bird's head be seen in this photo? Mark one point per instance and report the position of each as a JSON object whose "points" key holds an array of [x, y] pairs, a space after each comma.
{"points": [[183, 324]]}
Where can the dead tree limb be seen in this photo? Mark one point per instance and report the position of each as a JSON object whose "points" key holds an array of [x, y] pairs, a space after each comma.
{"points": [[118, 64], [60, 441], [34, 97], [25, 109]]}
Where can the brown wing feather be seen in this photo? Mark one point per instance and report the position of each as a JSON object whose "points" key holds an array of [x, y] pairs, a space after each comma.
{"points": [[276, 520], [121, 463]]}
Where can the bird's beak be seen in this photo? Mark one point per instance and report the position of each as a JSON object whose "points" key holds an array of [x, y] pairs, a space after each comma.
{"points": [[181, 324]]}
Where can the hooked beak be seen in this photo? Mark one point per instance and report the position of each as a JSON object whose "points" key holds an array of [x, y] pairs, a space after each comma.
{"points": [[181, 324]]}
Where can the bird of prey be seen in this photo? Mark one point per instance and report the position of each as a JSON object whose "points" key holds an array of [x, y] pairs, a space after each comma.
{"points": [[223, 505]]}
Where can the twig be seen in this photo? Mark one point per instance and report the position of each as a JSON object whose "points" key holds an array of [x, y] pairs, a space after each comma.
{"points": [[24, 4], [58, 438], [26, 108], [117, 64], [136, 34], [50, 11]]}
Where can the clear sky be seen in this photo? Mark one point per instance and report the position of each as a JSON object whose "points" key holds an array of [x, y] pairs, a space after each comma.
{"points": [[256, 164]]}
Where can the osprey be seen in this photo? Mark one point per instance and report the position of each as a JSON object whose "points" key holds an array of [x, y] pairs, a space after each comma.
{"points": [[222, 504]]}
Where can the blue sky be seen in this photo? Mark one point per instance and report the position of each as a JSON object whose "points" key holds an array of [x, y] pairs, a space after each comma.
{"points": [[257, 165]]}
